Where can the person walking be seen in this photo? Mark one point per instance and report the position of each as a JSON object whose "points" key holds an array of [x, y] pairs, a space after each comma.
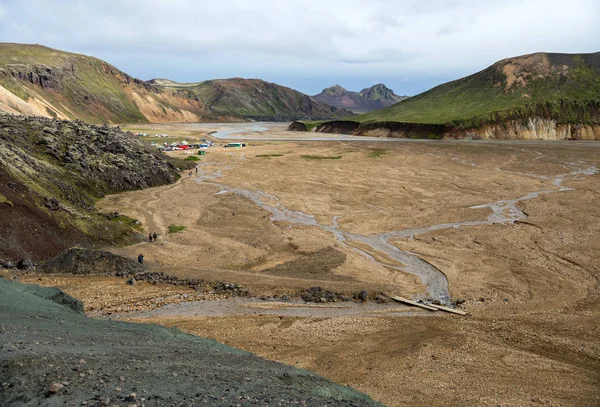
{"points": [[150, 237], [141, 259], [154, 236]]}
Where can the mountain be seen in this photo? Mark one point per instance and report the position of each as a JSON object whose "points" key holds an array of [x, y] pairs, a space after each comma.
{"points": [[53, 171], [508, 84], [37, 80], [253, 98], [368, 99], [538, 96]]}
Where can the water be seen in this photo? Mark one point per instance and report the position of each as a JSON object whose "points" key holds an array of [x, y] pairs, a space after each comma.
{"points": [[503, 211]]}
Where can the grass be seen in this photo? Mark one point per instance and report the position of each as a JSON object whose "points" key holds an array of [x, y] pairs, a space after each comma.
{"points": [[378, 152], [486, 92], [192, 158], [126, 220], [321, 157], [269, 155], [313, 124], [176, 229]]}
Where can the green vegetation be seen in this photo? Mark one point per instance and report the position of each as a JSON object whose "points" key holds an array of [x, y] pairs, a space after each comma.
{"points": [[269, 155], [321, 157], [192, 158], [509, 84], [176, 229], [126, 220], [378, 152], [4, 200], [313, 124]]}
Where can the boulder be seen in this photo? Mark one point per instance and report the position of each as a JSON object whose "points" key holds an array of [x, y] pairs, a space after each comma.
{"points": [[86, 261], [25, 264]]}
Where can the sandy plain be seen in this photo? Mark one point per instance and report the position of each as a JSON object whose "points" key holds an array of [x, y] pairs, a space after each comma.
{"points": [[529, 277]]}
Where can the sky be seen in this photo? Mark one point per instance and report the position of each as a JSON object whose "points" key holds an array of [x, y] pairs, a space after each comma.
{"points": [[409, 45]]}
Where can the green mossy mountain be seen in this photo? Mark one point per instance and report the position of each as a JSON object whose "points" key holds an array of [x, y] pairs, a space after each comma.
{"points": [[538, 96], [369, 99], [254, 99], [510, 84]]}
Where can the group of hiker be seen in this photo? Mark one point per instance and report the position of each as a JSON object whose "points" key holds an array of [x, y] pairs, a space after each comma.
{"points": [[151, 238]]}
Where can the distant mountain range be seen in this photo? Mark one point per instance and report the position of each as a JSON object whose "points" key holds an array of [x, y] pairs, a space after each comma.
{"points": [[367, 100], [253, 98], [41, 81]]}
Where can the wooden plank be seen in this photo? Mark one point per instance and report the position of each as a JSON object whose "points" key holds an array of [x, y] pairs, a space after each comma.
{"points": [[414, 303], [447, 309]]}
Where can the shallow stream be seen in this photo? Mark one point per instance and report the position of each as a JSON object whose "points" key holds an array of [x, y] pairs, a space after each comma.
{"points": [[503, 211]]}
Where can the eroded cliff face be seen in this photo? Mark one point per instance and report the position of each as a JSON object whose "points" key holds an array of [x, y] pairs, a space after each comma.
{"points": [[535, 128]]}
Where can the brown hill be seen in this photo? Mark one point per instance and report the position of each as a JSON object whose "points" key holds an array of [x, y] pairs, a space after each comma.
{"points": [[254, 98], [37, 80]]}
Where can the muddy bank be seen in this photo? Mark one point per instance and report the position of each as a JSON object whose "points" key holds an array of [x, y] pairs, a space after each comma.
{"points": [[53, 355], [533, 128]]}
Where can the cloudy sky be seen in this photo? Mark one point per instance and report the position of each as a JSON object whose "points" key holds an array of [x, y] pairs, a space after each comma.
{"points": [[410, 45]]}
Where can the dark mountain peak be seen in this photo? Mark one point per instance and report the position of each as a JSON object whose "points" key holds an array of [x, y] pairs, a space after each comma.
{"points": [[333, 90], [368, 99], [379, 91]]}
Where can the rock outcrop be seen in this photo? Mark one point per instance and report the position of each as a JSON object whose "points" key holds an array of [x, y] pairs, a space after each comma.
{"points": [[51, 174]]}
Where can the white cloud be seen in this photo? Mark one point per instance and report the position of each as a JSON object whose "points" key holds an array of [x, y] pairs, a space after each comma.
{"points": [[361, 38]]}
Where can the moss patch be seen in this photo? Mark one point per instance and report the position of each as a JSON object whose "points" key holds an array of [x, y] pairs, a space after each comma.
{"points": [[4, 200], [321, 157], [126, 220], [176, 229], [269, 155], [378, 152]]}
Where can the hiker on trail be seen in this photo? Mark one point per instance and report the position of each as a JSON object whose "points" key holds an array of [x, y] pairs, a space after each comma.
{"points": [[196, 170], [150, 237], [141, 259], [154, 236], [190, 173]]}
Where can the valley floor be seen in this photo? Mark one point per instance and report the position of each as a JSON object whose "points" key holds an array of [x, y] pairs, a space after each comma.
{"points": [[282, 215]]}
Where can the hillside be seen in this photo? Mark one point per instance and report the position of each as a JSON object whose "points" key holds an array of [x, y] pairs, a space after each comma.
{"points": [[41, 81], [254, 98], [369, 99], [48, 343], [51, 174], [507, 84], [537, 96]]}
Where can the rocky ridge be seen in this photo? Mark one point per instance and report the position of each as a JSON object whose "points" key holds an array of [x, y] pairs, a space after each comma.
{"points": [[53, 171]]}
